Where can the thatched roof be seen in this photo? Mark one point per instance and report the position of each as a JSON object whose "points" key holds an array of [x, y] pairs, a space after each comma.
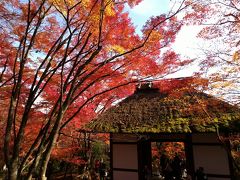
{"points": [[178, 110]]}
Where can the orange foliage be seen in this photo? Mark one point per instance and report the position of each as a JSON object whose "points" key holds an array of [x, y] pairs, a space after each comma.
{"points": [[66, 61]]}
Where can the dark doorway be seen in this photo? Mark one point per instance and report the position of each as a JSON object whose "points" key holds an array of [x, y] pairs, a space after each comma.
{"points": [[168, 160], [145, 163]]}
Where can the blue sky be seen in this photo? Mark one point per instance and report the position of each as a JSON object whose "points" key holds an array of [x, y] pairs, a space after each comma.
{"points": [[147, 8], [186, 43]]}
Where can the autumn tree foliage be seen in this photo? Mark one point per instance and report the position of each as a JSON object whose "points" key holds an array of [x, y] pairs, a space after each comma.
{"points": [[62, 61], [219, 20]]}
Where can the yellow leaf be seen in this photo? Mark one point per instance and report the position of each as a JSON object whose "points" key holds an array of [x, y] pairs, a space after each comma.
{"points": [[85, 3], [235, 56], [155, 35], [117, 48], [109, 11], [61, 3]]}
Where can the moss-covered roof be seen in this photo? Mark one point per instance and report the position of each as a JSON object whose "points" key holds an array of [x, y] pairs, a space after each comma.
{"points": [[180, 111]]}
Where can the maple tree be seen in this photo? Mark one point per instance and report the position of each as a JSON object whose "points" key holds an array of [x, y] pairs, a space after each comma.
{"points": [[61, 61], [220, 60]]}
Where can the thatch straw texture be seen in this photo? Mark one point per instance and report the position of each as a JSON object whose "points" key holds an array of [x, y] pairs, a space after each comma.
{"points": [[150, 111]]}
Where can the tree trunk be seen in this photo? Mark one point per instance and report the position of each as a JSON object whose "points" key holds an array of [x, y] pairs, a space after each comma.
{"points": [[33, 166], [44, 169], [50, 146], [43, 177], [29, 177], [13, 171], [46, 156]]}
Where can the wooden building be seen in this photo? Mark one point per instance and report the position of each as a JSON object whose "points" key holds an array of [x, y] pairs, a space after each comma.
{"points": [[174, 113]]}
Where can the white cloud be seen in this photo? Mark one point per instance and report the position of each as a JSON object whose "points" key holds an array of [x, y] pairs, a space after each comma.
{"points": [[151, 7], [143, 11], [186, 43]]}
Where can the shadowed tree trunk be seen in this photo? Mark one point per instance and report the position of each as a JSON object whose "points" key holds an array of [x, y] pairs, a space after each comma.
{"points": [[68, 54]]}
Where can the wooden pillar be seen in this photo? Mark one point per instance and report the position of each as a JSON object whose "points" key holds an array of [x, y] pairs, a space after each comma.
{"points": [[111, 155], [144, 157], [229, 157], [189, 155]]}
